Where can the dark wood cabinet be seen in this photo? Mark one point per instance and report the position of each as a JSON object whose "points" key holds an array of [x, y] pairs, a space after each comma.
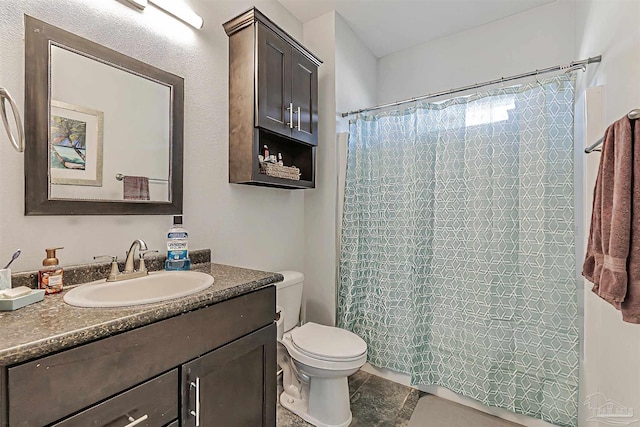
{"points": [[273, 101], [304, 97], [232, 386], [274, 82], [154, 403], [287, 89], [145, 374]]}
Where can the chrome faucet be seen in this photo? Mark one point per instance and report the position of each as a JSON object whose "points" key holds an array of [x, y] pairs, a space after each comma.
{"points": [[129, 273], [128, 265]]}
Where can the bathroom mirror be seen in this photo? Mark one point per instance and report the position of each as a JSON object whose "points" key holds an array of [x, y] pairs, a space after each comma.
{"points": [[103, 130]]}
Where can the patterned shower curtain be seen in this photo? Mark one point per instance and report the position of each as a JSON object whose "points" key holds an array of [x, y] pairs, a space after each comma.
{"points": [[457, 262]]}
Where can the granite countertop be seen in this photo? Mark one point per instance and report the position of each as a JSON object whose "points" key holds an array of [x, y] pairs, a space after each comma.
{"points": [[52, 325]]}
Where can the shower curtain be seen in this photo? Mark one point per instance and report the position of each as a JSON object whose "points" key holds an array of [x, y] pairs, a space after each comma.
{"points": [[457, 261]]}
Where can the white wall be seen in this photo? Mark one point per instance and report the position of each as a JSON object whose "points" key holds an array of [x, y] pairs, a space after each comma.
{"points": [[611, 347], [247, 226], [319, 265], [534, 39], [356, 71], [347, 79]]}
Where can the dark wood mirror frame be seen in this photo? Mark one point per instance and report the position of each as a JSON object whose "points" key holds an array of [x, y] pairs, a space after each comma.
{"points": [[38, 37]]}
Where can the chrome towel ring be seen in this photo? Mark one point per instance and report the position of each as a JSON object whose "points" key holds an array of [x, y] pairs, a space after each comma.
{"points": [[18, 143]]}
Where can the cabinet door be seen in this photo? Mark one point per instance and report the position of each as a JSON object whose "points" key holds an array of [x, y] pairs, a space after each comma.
{"points": [[304, 96], [274, 83], [234, 385]]}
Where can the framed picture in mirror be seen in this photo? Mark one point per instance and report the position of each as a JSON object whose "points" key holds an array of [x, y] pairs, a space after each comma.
{"points": [[75, 144]]}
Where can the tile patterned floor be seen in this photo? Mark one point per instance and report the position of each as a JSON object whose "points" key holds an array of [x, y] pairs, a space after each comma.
{"points": [[375, 402]]}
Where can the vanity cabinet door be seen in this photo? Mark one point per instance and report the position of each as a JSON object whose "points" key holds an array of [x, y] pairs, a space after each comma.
{"points": [[234, 385], [274, 83]]}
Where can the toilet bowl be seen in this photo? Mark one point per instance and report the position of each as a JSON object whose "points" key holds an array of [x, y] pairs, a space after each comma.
{"points": [[315, 361]]}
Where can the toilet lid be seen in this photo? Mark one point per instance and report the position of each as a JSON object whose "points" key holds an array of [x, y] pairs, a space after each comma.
{"points": [[327, 343]]}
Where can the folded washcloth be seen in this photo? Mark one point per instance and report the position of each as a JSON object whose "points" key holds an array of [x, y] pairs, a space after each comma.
{"points": [[136, 187]]}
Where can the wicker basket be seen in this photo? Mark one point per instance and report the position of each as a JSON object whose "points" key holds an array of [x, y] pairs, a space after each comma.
{"points": [[286, 172]]}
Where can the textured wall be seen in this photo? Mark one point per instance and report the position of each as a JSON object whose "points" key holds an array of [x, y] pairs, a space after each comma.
{"points": [[248, 226], [320, 256]]}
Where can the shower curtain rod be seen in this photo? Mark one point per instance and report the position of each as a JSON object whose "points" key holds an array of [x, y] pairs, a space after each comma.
{"points": [[566, 68]]}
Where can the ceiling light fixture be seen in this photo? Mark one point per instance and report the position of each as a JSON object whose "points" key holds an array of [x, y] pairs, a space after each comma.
{"points": [[140, 4], [181, 11], [176, 9]]}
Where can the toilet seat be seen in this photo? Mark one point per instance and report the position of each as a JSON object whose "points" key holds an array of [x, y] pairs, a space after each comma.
{"points": [[326, 343]]}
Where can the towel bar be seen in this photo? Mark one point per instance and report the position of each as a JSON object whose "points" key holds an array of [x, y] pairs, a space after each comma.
{"points": [[18, 143], [633, 115], [120, 177]]}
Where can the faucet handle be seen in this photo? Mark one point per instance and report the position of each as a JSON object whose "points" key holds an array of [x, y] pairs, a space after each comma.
{"points": [[141, 254], [114, 265]]}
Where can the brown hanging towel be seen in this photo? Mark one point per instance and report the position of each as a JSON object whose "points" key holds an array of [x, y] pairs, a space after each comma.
{"points": [[612, 261]]}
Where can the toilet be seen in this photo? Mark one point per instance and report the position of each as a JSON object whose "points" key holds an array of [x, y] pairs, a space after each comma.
{"points": [[315, 360]]}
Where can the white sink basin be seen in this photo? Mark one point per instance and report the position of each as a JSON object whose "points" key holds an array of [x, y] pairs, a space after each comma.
{"points": [[156, 287]]}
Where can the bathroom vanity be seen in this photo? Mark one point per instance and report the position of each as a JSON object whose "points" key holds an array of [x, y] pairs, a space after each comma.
{"points": [[202, 360]]}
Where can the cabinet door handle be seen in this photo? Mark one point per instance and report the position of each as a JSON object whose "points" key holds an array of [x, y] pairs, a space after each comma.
{"points": [[298, 119], [134, 422], [290, 124], [196, 413]]}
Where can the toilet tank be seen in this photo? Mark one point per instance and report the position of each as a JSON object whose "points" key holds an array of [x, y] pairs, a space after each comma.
{"points": [[289, 297]]}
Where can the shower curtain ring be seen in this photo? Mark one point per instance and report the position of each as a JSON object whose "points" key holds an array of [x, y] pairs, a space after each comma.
{"points": [[537, 77]]}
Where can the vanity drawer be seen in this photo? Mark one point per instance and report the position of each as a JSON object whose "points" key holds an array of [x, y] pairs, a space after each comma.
{"points": [[155, 403]]}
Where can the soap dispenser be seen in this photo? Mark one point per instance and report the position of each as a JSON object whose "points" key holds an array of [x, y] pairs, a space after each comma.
{"points": [[50, 276]]}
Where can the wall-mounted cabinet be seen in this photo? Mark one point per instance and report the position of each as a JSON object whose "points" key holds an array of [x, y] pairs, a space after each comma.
{"points": [[273, 101]]}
